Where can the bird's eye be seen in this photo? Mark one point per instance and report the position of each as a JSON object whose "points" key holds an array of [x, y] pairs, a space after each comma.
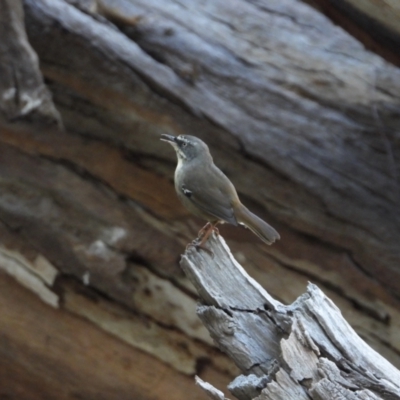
{"points": [[184, 144]]}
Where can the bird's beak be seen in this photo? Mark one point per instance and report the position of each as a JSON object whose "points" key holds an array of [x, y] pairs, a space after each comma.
{"points": [[171, 140], [168, 138]]}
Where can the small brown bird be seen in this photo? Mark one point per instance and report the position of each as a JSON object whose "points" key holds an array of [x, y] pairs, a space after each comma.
{"points": [[208, 193]]}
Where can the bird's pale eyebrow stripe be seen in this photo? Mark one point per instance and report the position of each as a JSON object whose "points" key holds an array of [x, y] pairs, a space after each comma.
{"points": [[182, 139]]}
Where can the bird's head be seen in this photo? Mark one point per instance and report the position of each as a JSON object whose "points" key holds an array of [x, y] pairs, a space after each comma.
{"points": [[187, 147]]}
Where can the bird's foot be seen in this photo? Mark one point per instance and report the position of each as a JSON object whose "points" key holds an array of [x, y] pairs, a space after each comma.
{"points": [[206, 231], [203, 231], [203, 236], [198, 245]]}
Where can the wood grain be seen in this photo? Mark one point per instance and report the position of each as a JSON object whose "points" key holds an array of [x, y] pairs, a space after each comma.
{"points": [[300, 351], [299, 114]]}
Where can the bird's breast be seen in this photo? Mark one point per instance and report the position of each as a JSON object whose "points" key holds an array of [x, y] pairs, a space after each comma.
{"points": [[179, 173]]}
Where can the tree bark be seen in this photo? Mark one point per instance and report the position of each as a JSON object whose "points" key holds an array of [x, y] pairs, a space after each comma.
{"points": [[301, 117], [374, 22], [24, 94]]}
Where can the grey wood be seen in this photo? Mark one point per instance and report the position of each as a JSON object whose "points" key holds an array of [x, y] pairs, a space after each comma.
{"points": [[303, 119], [300, 351], [23, 92]]}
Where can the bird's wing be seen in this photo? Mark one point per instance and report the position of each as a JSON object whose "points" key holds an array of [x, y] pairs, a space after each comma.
{"points": [[210, 198]]}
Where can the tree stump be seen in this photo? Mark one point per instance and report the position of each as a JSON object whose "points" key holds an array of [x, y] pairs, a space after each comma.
{"points": [[300, 351]]}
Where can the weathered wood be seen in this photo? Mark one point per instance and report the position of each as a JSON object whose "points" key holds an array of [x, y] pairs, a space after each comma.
{"points": [[300, 351], [50, 353], [211, 391], [377, 22], [23, 93], [322, 126], [301, 117]]}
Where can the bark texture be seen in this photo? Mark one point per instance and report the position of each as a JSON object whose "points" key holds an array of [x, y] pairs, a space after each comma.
{"points": [[302, 118], [374, 22], [23, 93]]}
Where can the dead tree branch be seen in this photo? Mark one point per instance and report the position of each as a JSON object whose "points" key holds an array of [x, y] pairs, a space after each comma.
{"points": [[300, 351]]}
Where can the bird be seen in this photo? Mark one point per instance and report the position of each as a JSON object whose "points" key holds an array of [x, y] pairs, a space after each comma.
{"points": [[208, 193]]}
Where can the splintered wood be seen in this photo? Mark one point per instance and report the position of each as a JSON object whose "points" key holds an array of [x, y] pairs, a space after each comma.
{"points": [[300, 351]]}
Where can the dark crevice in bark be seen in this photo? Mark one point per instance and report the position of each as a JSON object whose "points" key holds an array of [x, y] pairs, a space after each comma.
{"points": [[137, 259], [96, 181], [374, 36], [366, 309], [93, 293]]}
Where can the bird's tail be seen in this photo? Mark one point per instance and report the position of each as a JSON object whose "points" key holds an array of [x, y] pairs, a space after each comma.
{"points": [[263, 230]]}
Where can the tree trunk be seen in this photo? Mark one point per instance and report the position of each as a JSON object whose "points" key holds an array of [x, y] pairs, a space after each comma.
{"points": [[374, 22], [302, 118]]}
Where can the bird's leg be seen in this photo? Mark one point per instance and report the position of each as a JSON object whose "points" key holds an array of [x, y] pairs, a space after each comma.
{"points": [[204, 234], [203, 230]]}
